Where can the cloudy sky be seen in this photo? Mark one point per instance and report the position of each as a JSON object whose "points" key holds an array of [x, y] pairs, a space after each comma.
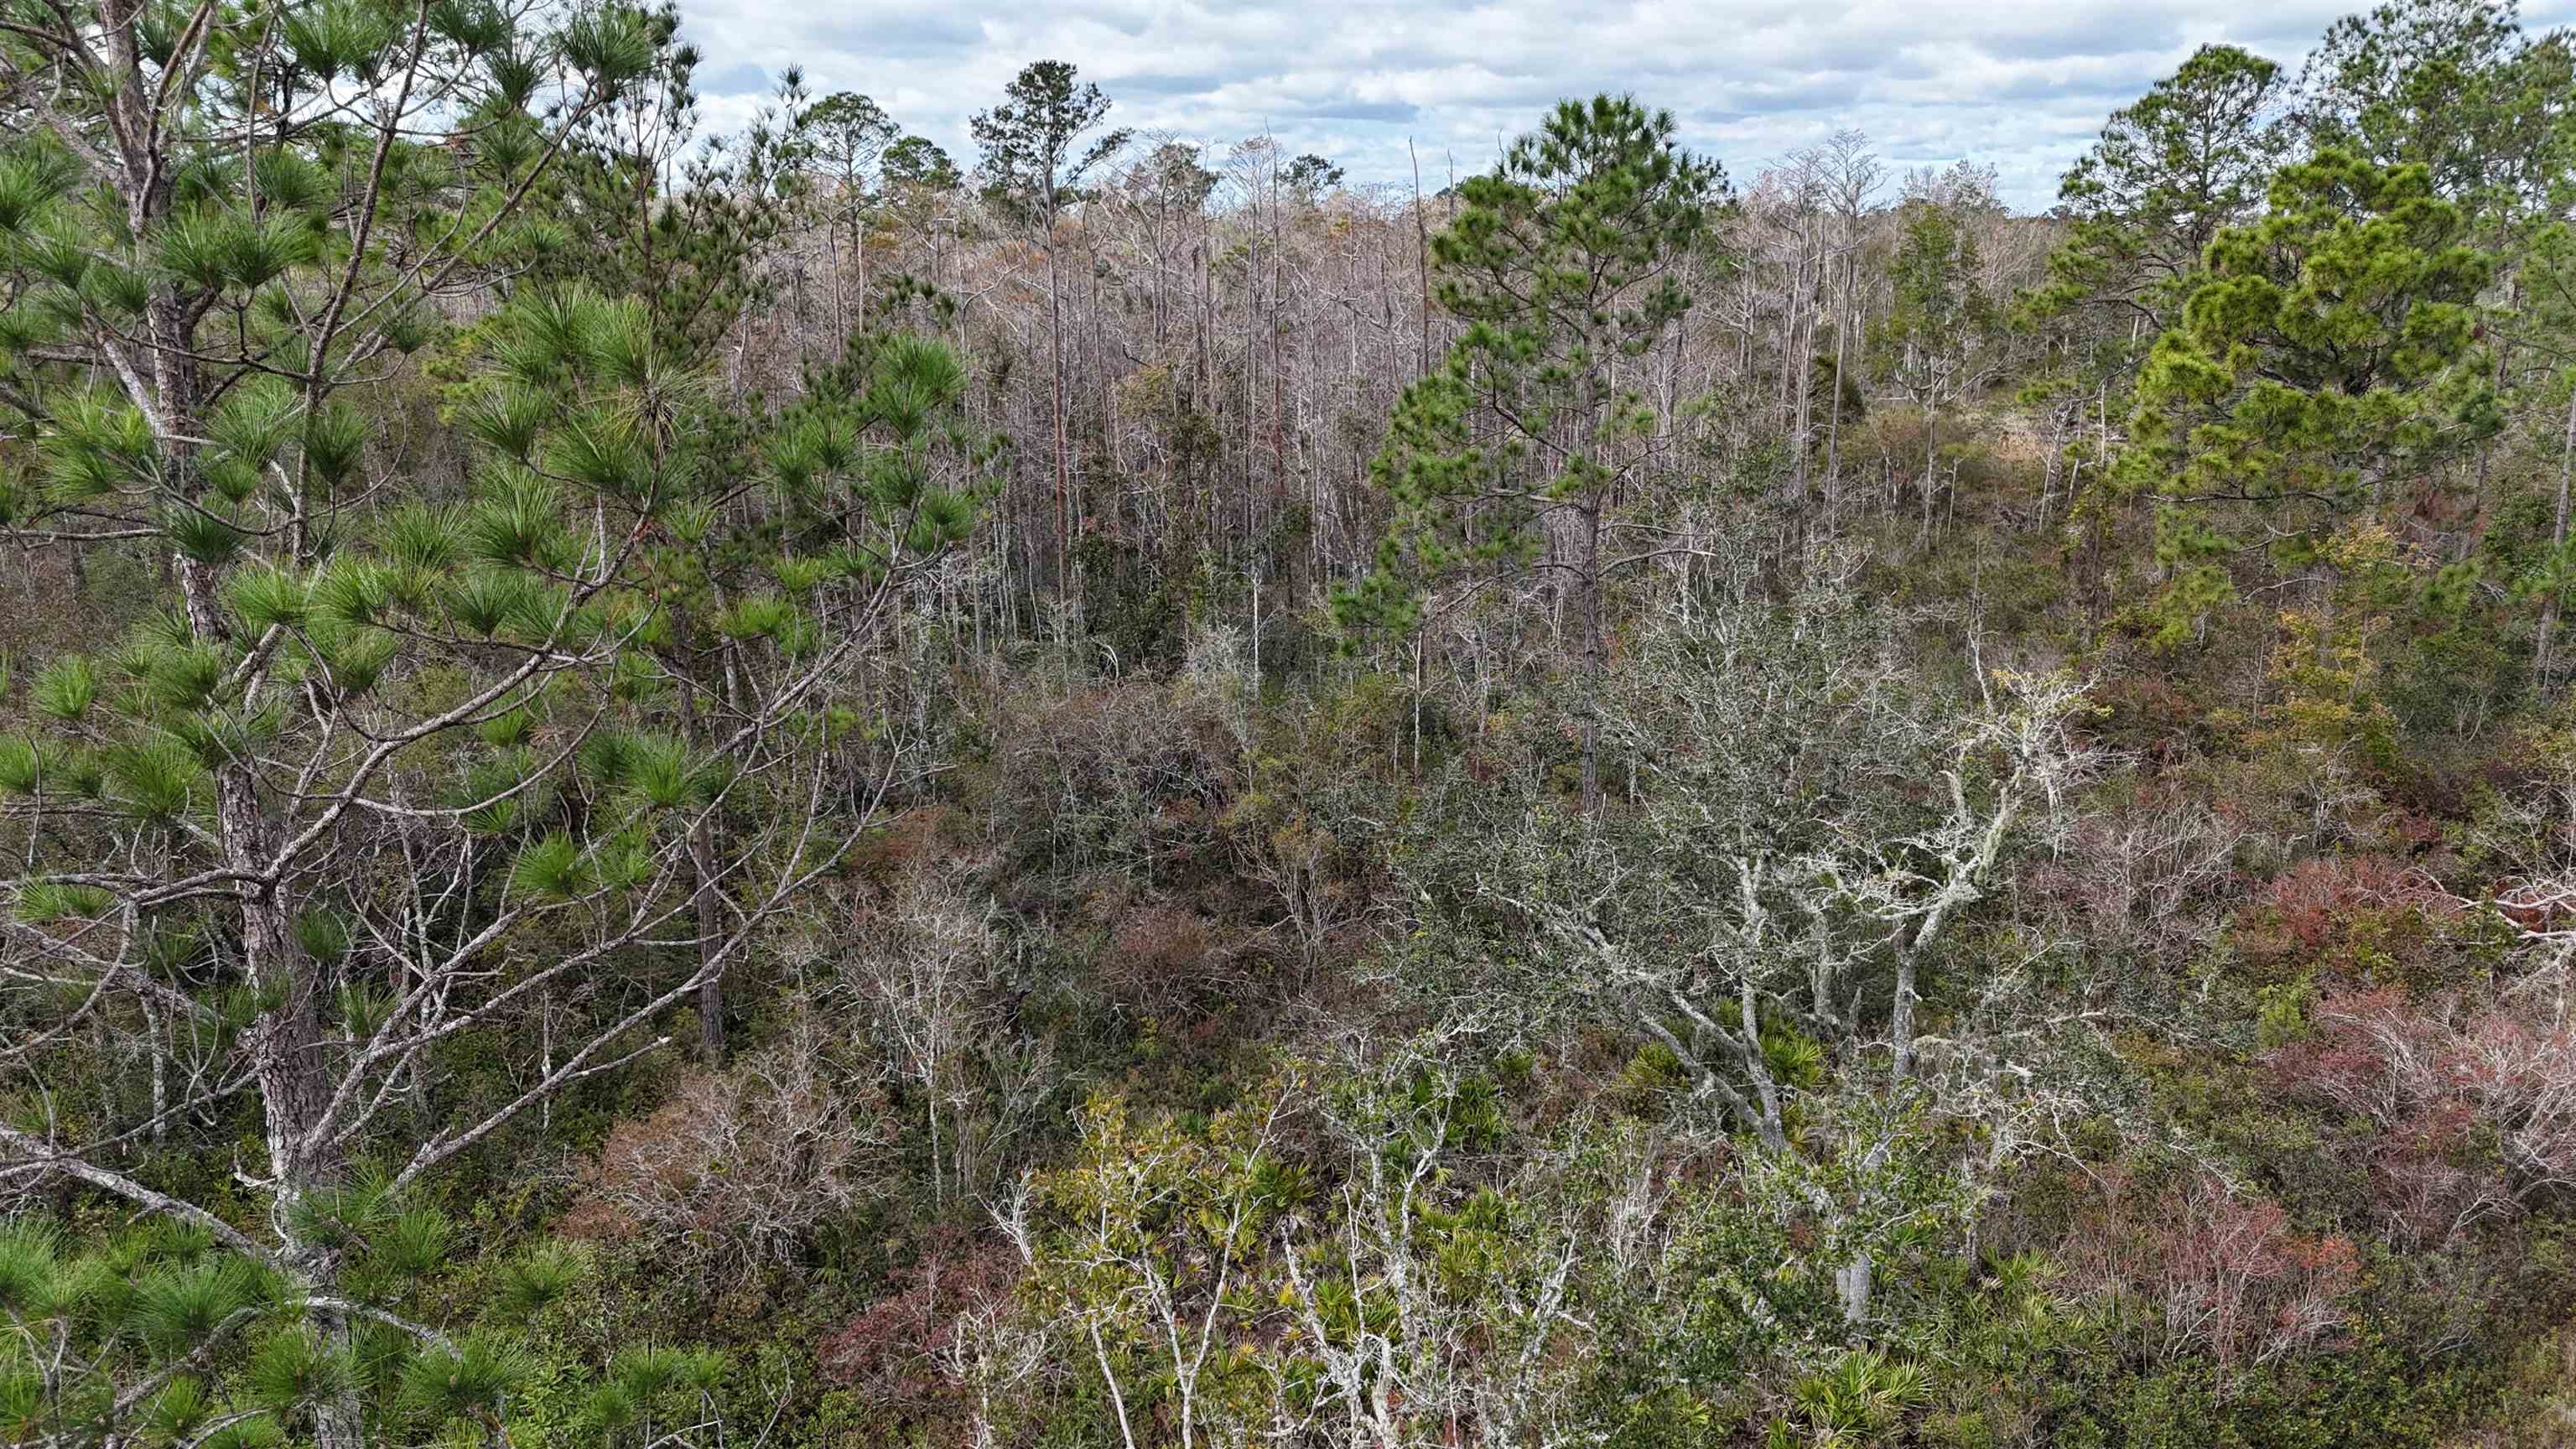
{"points": [[2021, 85]]}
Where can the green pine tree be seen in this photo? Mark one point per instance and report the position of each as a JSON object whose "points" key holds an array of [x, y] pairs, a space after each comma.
{"points": [[398, 755], [1514, 455], [2329, 364]]}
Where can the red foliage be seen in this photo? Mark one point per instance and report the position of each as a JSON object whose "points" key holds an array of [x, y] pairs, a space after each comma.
{"points": [[2314, 897], [2223, 1272], [1165, 954], [2235, 1279], [2467, 1116], [897, 1350]]}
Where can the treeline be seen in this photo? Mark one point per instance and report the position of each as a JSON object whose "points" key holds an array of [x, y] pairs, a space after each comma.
{"points": [[781, 789]]}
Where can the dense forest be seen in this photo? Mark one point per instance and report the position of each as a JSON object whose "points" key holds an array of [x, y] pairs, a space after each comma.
{"points": [[777, 789]]}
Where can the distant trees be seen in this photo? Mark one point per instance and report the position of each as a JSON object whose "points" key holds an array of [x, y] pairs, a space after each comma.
{"points": [[846, 137], [1035, 159], [1933, 343]]}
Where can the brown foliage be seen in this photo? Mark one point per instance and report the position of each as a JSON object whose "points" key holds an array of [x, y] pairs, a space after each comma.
{"points": [[742, 1165]]}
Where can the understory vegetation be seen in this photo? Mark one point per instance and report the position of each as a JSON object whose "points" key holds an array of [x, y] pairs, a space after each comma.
{"points": [[780, 790]]}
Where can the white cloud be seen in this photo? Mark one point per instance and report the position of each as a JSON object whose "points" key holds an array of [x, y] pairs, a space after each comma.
{"points": [[2022, 86]]}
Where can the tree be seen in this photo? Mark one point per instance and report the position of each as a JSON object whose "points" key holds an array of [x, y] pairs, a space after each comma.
{"points": [[1844, 175], [1034, 163], [849, 135], [1768, 893], [658, 212], [2193, 155], [2547, 325], [2331, 353], [2453, 86], [1310, 176], [693, 256], [1939, 317], [1034, 156], [1776, 909], [1560, 264], [913, 163], [144, 259], [846, 137], [382, 773]]}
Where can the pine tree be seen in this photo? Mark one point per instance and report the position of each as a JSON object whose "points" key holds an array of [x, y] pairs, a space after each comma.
{"points": [[843, 139], [913, 163], [1513, 456], [1034, 164], [2454, 86], [1938, 319], [2330, 358], [2191, 156], [388, 767]]}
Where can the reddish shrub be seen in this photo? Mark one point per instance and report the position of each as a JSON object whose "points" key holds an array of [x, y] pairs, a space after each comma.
{"points": [[2222, 1273], [2466, 1117], [2237, 1282], [1165, 953], [2315, 897], [898, 1351], [744, 1164]]}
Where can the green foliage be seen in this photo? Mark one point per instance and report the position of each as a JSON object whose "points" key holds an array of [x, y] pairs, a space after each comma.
{"points": [[2190, 157], [463, 1382], [536, 1279], [2331, 350], [66, 688], [1861, 1399], [1560, 263], [2456, 88], [1938, 314], [491, 557]]}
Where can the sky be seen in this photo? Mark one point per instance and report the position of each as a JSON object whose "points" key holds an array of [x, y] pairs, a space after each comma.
{"points": [[2022, 85]]}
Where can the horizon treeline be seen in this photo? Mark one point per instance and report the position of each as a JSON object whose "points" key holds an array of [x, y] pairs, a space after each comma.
{"points": [[777, 789]]}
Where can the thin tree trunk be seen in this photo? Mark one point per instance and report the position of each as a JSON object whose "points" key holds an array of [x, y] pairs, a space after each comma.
{"points": [[2544, 661], [1422, 261], [1834, 405], [1588, 701], [1055, 363]]}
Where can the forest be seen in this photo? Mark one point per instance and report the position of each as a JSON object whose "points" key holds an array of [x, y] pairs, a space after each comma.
{"points": [[675, 788]]}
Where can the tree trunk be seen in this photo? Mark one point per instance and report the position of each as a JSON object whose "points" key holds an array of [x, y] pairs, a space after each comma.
{"points": [[1588, 701], [1055, 364], [2543, 655], [1834, 405], [1421, 261]]}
